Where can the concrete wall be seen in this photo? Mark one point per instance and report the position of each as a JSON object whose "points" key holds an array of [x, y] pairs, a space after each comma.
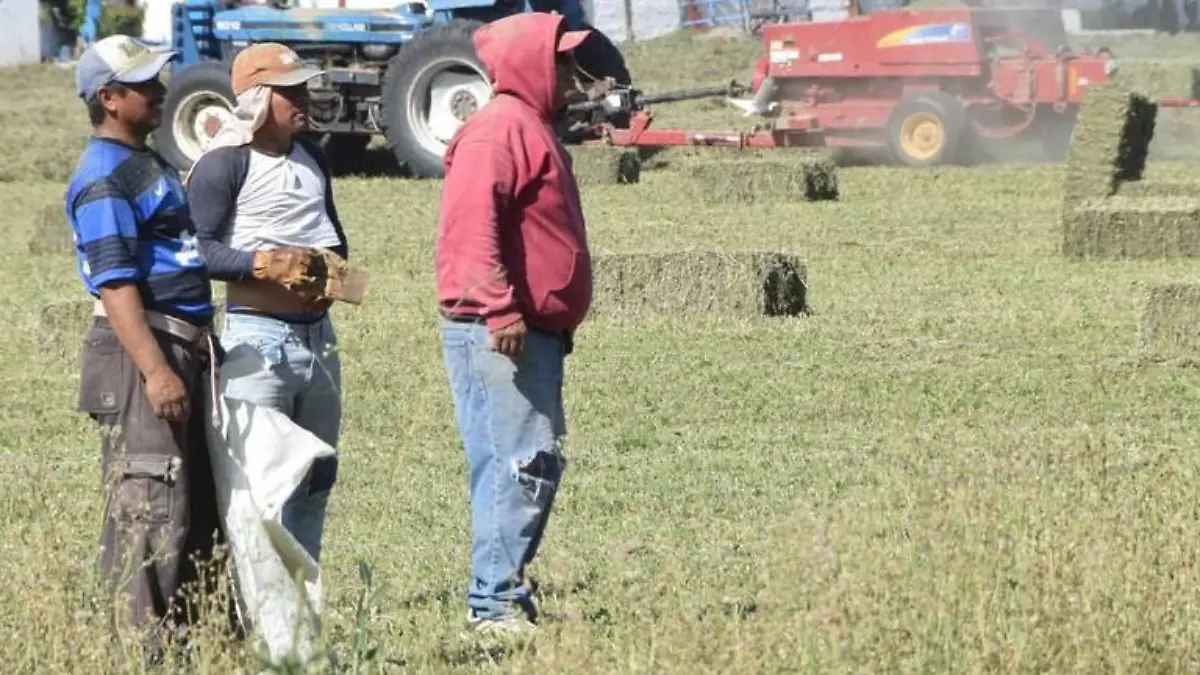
{"points": [[649, 19], [21, 41]]}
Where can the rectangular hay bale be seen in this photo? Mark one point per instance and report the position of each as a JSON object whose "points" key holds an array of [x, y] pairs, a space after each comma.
{"points": [[1132, 228], [606, 165], [51, 233], [1170, 321], [779, 176], [1112, 139], [742, 284]]}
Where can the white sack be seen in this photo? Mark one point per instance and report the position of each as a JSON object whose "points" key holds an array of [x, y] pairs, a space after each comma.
{"points": [[259, 457]]}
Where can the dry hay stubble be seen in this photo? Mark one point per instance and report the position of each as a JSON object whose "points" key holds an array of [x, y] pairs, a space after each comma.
{"points": [[1159, 77], [606, 165], [1170, 322], [1160, 188], [781, 175], [687, 283], [61, 327]]}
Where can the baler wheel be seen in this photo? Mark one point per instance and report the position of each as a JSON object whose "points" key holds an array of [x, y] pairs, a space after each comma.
{"points": [[925, 130], [922, 135]]}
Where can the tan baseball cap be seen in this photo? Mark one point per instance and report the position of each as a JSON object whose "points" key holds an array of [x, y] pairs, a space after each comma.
{"points": [[270, 64]]}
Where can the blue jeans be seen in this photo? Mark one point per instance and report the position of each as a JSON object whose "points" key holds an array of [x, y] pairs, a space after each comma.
{"points": [[511, 422], [298, 373]]}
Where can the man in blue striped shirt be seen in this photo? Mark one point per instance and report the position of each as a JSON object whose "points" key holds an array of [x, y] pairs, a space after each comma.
{"points": [[150, 346]]}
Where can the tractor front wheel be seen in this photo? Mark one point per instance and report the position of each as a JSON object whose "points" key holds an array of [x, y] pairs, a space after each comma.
{"points": [[925, 130], [199, 100]]}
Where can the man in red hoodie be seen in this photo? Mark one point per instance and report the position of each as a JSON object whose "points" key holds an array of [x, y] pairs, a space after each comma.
{"points": [[514, 280]]}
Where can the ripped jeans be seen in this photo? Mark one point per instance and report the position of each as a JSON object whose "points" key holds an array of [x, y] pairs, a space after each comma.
{"points": [[293, 368], [510, 419]]}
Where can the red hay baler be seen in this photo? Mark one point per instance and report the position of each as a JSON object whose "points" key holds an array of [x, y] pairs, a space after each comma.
{"points": [[930, 86]]}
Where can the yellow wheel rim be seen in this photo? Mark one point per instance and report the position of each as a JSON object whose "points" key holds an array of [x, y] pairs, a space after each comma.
{"points": [[922, 135]]}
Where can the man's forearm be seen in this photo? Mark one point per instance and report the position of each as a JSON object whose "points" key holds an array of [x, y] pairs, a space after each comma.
{"points": [[225, 263], [128, 318]]}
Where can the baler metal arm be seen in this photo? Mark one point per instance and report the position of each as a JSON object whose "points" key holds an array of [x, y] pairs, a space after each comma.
{"points": [[631, 100]]}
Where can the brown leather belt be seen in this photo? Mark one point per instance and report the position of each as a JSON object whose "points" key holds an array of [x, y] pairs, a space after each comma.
{"points": [[167, 324]]}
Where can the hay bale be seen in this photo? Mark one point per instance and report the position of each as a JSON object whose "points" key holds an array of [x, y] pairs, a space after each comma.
{"points": [[606, 166], [1112, 138], [745, 284], [783, 175], [62, 326], [52, 234], [1132, 228], [1170, 322]]}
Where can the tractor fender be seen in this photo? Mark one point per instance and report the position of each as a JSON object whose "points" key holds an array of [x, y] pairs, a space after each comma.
{"points": [[917, 113], [191, 92]]}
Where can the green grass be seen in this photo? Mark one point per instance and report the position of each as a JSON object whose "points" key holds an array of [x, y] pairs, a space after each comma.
{"points": [[958, 463]]}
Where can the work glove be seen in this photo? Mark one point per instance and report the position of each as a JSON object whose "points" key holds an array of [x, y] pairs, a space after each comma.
{"points": [[319, 274], [332, 278], [288, 266]]}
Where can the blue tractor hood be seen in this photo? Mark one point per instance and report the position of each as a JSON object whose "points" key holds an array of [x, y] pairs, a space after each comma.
{"points": [[267, 24]]}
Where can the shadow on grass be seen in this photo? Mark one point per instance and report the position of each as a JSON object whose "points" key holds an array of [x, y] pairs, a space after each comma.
{"points": [[374, 162]]}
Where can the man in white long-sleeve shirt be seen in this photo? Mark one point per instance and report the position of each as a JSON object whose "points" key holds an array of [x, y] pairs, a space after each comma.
{"points": [[262, 201]]}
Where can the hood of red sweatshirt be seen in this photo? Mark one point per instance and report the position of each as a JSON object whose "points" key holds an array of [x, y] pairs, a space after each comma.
{"points": [[518, 52]]}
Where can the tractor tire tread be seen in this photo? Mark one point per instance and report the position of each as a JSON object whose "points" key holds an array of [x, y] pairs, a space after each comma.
{"points": [[206, 75], [397, 77]]}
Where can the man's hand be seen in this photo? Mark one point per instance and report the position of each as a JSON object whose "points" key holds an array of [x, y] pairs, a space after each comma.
{"points": [[165, 391], [168, 398], [510, 340]]}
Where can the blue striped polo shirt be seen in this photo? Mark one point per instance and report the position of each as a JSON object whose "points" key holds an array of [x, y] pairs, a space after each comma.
{"points": [[130, 216]]}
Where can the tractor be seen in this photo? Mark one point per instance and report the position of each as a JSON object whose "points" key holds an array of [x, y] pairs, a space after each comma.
{"points": [[408, 72]]}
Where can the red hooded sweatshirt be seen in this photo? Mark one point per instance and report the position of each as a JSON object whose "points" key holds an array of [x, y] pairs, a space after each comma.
{"points": [[511, 241]]}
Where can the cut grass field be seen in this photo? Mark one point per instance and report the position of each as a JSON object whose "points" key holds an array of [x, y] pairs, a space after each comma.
{"points": [[958, 462]]}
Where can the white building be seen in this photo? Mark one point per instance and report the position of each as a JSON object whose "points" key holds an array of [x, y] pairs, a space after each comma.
{"points": [[21, 43]]}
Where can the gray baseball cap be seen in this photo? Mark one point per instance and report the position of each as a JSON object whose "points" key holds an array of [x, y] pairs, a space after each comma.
{"points": [[118, 58]]}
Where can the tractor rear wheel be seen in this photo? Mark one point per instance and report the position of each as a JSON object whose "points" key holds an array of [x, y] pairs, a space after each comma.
{"points": [[199, 100], [429, 89], [925, 130]]}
